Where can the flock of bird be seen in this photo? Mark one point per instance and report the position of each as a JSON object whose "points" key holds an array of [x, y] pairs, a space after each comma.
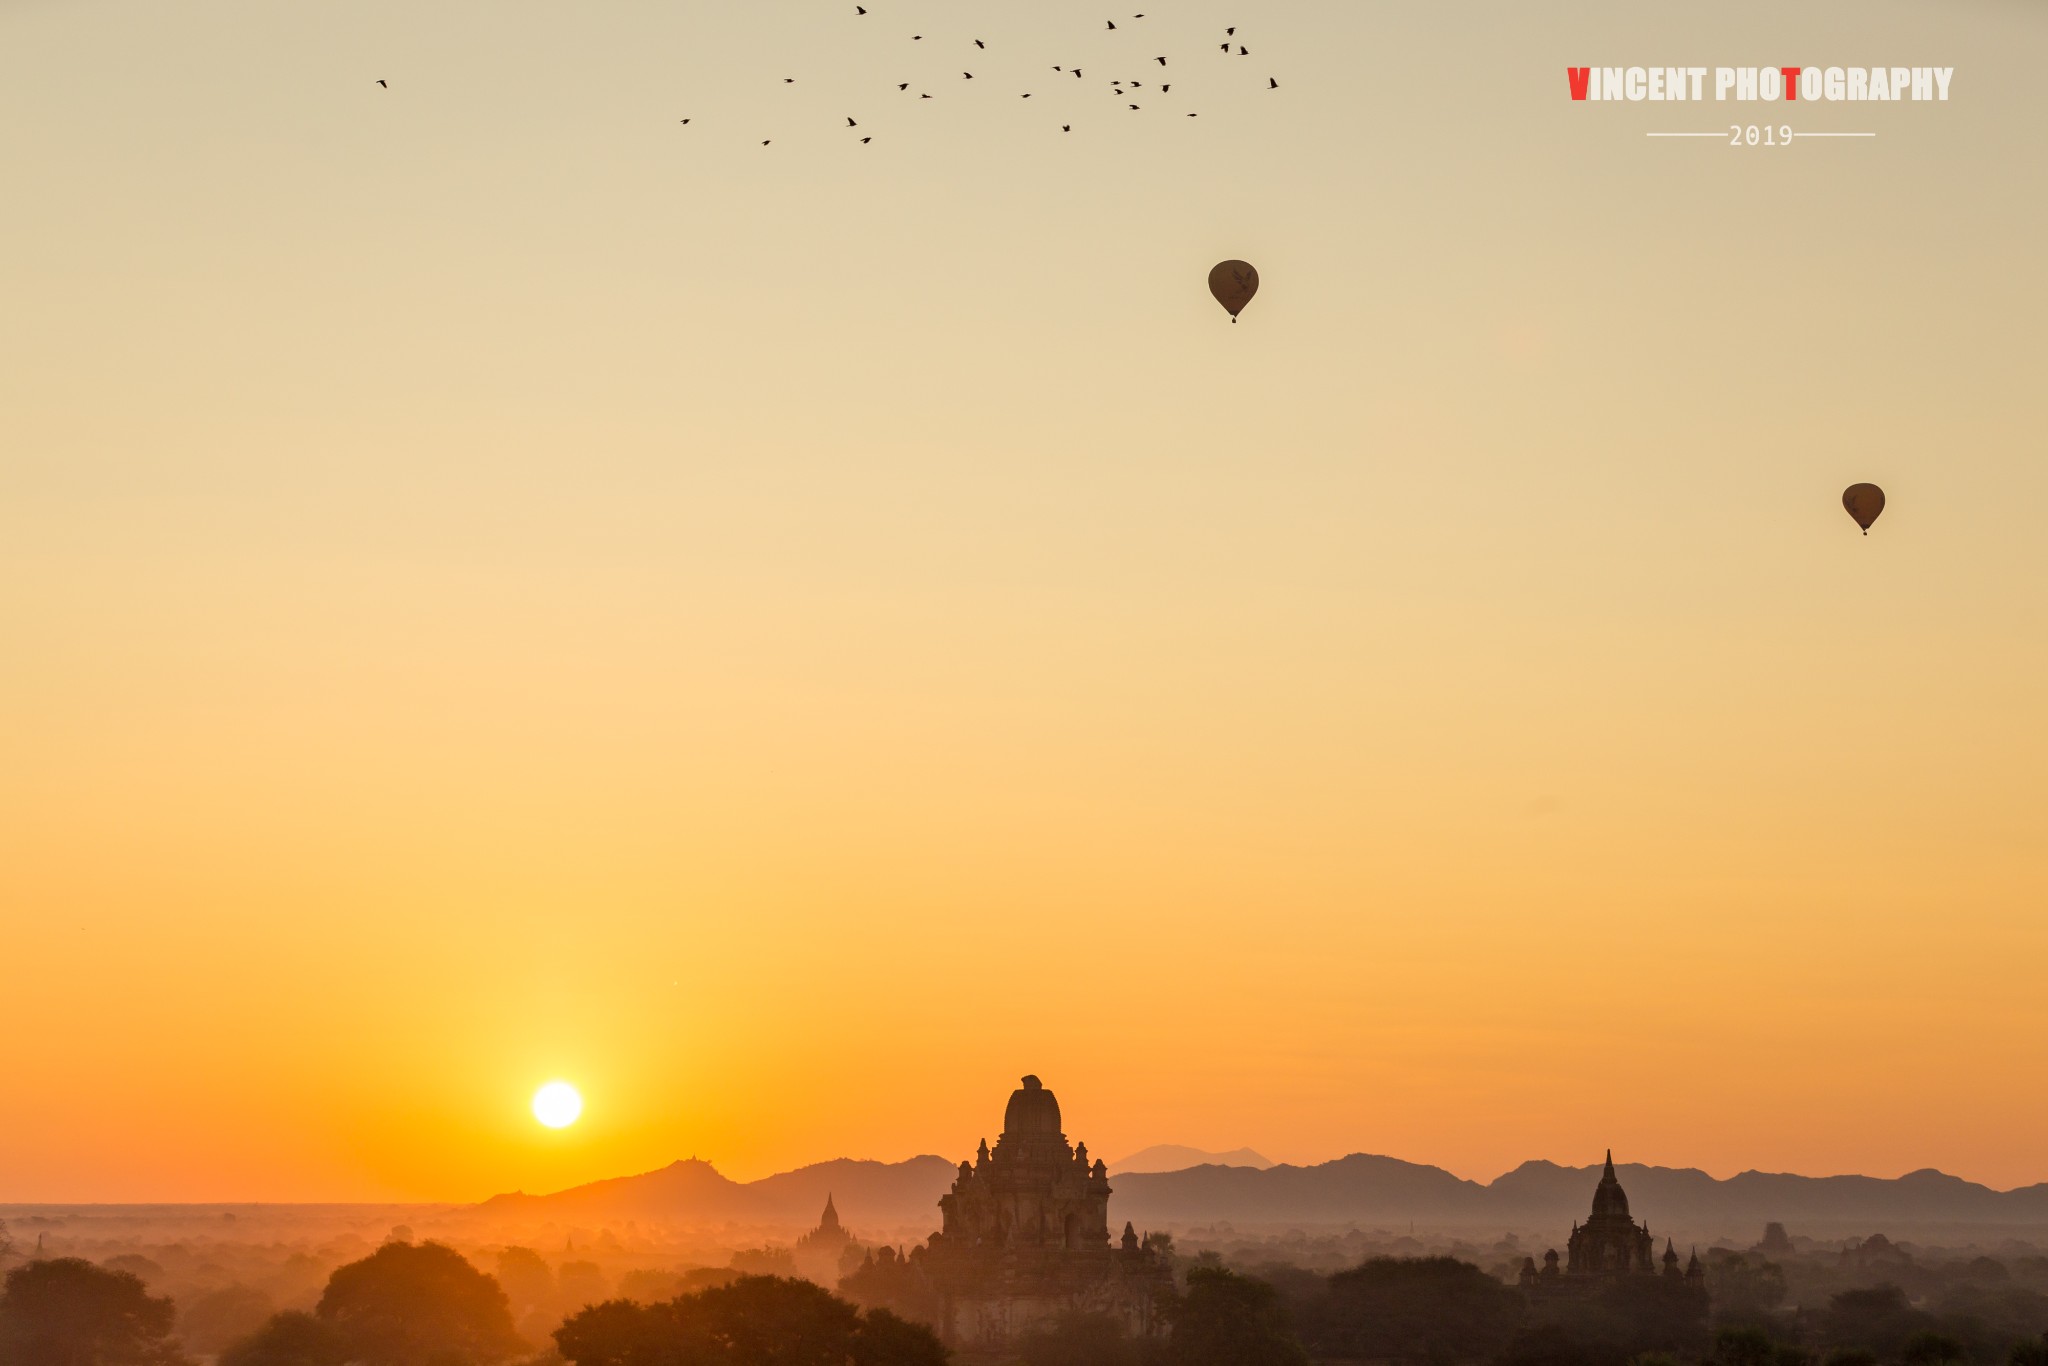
{"points": [[1233, 283], [1134, 93]]}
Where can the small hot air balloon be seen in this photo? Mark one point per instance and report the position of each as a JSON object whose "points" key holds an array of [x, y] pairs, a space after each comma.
{"points": [[1864, 502], [1233, 283]]}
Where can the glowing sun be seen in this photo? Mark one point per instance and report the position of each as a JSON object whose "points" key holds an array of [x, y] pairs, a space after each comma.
{"points": [[557, 1105]]}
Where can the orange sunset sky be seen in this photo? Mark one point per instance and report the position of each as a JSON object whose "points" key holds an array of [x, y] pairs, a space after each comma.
{"points": [[498, 584]]}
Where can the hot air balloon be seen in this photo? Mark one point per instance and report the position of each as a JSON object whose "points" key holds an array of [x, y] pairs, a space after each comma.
{"points": [[1864, 502], [1233, 283]]}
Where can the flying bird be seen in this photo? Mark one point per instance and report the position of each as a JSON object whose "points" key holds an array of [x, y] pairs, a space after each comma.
{"points": [[685, 120], [967, 75], [1025, 96], [789, 80], [979, 43], [858, 10], [766, 141], [924, 97], [1077, 73], [385, 84], [851, 124], [1272, 84], [1231, 31], [1164, 88], [865, 141], [1110, 22], [1242, 53], [1226, 47], [1134, 106], [904, 86], [1066, 128], [1160, 60]]}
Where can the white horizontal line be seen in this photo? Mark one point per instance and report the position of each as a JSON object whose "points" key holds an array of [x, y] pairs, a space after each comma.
{"points": [[1686, 135], [1834, 135]]}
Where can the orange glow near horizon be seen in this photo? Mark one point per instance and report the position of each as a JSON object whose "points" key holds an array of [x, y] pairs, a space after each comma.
{"points": [[494, 591]]}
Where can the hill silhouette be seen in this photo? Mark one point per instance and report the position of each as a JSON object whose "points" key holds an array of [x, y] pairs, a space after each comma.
{"points": [[694, 1191], [1172, 1157], [1362, 1188]]}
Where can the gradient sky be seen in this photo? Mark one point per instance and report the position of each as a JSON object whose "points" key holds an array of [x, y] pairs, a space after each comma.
{"points": [[496, 584]]}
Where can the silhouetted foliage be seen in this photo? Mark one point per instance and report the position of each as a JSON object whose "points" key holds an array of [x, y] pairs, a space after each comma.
{"points": [[1744, 1347], [418, 1305], [69, 1312], [289, 1340], [1419, 1309], [1931, 1349], [1081, 1339], [1745, 1290], [1226, 1319], [1877, 1317], [884, 1280], [526, 1280], [754, 1321], [2030, 1353], [213, 1320], [1553, 1344]]}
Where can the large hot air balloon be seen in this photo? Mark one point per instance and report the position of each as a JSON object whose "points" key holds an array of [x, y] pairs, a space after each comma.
{"points": [[1233, 283], [1864, 502]]}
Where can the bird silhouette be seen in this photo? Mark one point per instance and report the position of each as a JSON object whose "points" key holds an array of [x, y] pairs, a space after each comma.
{"points": [[789, 80], [1242, 53], [865, 141], [1230, 32], [1160, 60], [1066, 128], [1164, 88], [1110, 22], [1077, 73], [385, 84], [851, 124], [1226, 47], [1025, 96], [1272, 84], [685, 120], [904, 86], [1134, 106], [979, 43], [967, 75], [924, 97], [766, 141], [858, 10]]}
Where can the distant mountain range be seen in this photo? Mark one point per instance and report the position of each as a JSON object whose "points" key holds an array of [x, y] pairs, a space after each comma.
{"points": [[1172, 1157], [1360, 1189]]}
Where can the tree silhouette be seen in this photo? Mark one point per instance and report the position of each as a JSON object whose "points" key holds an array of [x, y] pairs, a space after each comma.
{"points": [[1932, 1349], [418, 1305], [1423, 1309], [68, 1312], [1230, 1320], [289, 1340], [753, 1321], [1082, 1339]]}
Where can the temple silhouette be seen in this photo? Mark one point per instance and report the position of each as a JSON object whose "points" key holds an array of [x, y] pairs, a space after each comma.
{"points": [[1610, 1246], [1024, 1239]]}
